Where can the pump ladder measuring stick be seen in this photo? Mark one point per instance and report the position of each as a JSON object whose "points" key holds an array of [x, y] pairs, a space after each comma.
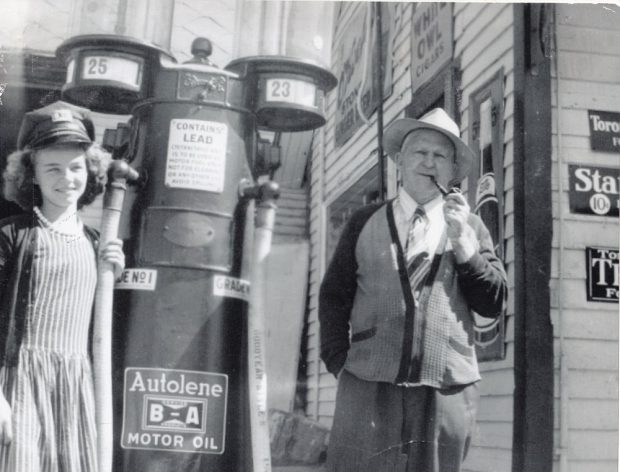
{"points": [[257, 378], [118, 174]]}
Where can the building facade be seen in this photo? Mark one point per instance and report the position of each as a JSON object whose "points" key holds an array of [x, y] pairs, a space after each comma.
{"points": [[526, 84], [535, 89]]}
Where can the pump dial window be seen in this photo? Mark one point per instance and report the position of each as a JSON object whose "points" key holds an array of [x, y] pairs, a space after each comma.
{"points": [[112, 68], [291, 91]]}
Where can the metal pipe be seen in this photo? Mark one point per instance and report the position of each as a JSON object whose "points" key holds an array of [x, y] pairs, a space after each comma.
{"points": [[257, 377], [563, 381], [321, 265], [379, 71], [118, 173], [121, 18]]}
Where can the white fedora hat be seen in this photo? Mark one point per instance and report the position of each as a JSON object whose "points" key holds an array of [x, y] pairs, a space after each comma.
{"points": [[437, 120]]}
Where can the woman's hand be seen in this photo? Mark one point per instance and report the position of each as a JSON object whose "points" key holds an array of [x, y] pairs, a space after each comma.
{"points": [[6, 421], [113, 254]]}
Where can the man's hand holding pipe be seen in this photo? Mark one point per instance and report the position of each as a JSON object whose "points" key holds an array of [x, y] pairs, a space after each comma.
{"points": [[456, 212]]}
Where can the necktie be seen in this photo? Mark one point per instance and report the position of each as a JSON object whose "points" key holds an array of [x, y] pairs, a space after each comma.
{"points": [[418, 262]]}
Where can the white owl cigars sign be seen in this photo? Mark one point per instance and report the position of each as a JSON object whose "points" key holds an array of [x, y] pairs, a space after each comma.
{"points": [[431, 40], [594, 190], [174, 410]]}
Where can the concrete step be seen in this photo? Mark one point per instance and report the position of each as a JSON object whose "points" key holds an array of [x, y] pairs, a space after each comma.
{"points": [[300, 468]]}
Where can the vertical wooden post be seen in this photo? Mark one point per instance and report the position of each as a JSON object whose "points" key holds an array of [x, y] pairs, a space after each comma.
{"points": [[533, 397]]}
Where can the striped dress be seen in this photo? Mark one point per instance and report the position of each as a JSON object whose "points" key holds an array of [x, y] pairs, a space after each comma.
{"points": [[50, 390]]}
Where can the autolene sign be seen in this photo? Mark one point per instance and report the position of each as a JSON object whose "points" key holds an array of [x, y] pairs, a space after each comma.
{"points": [[174, 410]]}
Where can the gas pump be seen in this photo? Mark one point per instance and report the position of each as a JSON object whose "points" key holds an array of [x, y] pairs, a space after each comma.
{"points": [[185, 391]]}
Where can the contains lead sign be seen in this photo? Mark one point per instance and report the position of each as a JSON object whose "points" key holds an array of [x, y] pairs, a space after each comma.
{"points": [[196, 155]]}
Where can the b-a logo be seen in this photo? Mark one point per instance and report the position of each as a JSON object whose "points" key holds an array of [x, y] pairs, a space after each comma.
{"points": [[174, 414]]}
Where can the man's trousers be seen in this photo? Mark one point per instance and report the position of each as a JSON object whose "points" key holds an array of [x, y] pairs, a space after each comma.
{"points": [[381, 427]]}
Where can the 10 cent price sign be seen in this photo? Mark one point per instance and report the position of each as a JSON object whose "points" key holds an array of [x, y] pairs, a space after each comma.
{"points": [[593, 189]]}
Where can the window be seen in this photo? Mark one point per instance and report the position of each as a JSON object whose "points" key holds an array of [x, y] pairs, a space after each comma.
{"points": [[486, 138]]}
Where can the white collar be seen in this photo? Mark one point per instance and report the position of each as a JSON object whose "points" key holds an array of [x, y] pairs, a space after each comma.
{"points": [[409, 205]]}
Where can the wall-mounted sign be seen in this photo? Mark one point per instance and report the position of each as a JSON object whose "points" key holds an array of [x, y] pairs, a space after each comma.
{"points": [[355, 69], [431, 40], [486, 138], [604, 130], [593, 190], [602, 279]]}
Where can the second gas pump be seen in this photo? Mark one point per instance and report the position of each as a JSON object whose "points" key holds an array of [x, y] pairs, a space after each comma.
{"points": [[182, 376]]}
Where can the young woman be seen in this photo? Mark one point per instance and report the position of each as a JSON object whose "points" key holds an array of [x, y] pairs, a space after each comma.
{"points": [[48, 275]]}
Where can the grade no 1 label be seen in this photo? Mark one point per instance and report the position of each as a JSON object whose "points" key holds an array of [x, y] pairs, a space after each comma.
{"points": [[137, 279]]}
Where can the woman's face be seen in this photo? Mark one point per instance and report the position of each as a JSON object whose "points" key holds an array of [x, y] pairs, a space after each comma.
{"points": [[61, 174]]}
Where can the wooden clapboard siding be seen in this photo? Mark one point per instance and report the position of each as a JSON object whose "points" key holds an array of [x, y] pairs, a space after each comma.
{"points": [[316, 228], [588, 67], [213, 19], [489, 456], [292, 215], [312, 359], [333, 170], [295, 149], [484, 44], [481, 54], [28, 26], [595, 385], [598, 465]]}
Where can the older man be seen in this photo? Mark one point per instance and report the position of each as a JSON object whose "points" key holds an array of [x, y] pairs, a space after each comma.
{"points": [[396, 311]]}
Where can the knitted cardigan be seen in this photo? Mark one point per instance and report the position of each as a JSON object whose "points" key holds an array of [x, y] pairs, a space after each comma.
{"points": [[17, 239], [370, 324]]}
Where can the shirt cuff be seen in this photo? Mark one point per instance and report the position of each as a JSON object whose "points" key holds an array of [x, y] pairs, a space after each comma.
{"points": [[476, 265]]}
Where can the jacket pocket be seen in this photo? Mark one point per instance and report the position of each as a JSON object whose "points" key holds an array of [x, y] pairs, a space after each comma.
{"points": [[362, 335], [462, 349]]}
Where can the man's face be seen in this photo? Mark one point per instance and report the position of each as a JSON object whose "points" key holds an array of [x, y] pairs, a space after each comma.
{"points": [[425, 153]]}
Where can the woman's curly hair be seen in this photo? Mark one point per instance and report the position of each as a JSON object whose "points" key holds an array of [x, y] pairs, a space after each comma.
{"points": [[18, 177]]}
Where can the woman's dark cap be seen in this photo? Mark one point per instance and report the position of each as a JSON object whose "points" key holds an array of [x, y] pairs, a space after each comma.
{"points": [[57, 123]]}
